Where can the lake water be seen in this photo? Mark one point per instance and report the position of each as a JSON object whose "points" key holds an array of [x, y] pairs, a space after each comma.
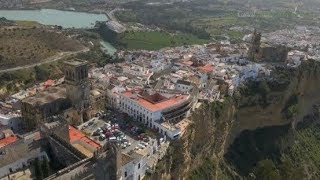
{"points": [[66, 19]]}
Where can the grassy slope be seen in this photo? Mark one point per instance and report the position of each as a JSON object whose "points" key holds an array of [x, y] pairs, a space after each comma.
{"points": [[22, 46], [153, 40]]}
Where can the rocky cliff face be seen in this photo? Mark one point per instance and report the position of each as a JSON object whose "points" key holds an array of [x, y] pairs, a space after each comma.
{"points": [[205, 151]]}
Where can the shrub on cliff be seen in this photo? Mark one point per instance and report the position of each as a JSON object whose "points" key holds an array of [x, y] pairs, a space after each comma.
{"points": [[291, 108]]}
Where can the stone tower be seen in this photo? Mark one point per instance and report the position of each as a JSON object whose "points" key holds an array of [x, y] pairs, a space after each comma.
{"points": [[78, 89], [108, 162], [255, 45]]}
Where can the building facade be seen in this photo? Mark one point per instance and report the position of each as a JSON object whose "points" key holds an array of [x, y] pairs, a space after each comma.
{"points": [[155, 110]]}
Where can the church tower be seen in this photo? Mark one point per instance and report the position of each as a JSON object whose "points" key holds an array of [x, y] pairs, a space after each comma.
{"points": [[254, 50], [78, 89]]}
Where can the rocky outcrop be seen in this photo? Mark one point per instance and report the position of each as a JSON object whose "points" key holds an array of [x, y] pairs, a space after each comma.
{"points": [[282, 101]]}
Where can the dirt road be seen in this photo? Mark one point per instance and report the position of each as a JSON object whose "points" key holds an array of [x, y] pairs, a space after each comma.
{"points": [[51, 59]]}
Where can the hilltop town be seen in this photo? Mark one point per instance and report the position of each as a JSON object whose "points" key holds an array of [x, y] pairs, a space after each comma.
{"points": [[118, 121]]}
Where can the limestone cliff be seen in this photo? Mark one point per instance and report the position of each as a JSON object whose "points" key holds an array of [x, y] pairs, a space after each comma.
{"points": [[282, 100]]}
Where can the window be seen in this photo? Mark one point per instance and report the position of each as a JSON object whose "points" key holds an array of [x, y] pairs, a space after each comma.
{"points": [[125, 174]]}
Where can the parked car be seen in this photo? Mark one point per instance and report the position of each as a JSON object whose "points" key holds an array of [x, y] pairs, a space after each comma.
{"points": [[96, 133], [141, 146], [102, 137], [112, 139], [108, 134], [139, 137], [99, 130], [144, 143]]}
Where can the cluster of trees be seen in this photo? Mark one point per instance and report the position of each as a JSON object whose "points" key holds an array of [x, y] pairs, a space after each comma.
{"points": [[267, 170], [41, 74], [6, 22], [256, 92]]}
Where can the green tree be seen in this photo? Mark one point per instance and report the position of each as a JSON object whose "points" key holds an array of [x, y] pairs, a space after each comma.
{"points": [[41, 73], [289, 171], [266, 170], [263, 88]]}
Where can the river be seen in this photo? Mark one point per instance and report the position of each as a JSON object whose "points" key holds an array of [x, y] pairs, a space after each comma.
{"points": [[66, 19]]}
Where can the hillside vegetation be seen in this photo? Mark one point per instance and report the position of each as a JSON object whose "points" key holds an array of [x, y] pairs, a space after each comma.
{"points": [[22, 46], [153, 40], [219, 19]]}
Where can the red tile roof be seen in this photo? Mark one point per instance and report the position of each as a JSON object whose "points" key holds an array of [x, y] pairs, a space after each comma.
{"points": [[207, 67], [75, 135], [8, 140], [175, 100]]}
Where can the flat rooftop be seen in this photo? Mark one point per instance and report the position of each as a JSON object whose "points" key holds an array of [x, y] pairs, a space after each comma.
{"points": [[169, 126], [159, 105], [49, 95]]}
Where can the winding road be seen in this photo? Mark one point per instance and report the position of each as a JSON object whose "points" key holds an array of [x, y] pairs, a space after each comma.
{"points": [[51, 59]]}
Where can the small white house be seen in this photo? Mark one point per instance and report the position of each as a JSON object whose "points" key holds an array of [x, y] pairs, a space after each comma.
{"points": [[134, 166], [14, 122], [183, 86]]}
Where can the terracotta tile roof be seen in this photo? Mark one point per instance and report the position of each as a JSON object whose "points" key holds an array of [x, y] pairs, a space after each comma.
{"points": [[175, 100], [8, 140], [76, 135], [207, 67]]}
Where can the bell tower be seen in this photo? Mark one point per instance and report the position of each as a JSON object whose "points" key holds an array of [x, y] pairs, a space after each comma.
{"points": [[78, 89]]}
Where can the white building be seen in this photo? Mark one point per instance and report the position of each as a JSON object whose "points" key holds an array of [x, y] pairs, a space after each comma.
{"points": [[20, 154], [134, 166], [183, 86], [12, 121], [156, 110]]}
